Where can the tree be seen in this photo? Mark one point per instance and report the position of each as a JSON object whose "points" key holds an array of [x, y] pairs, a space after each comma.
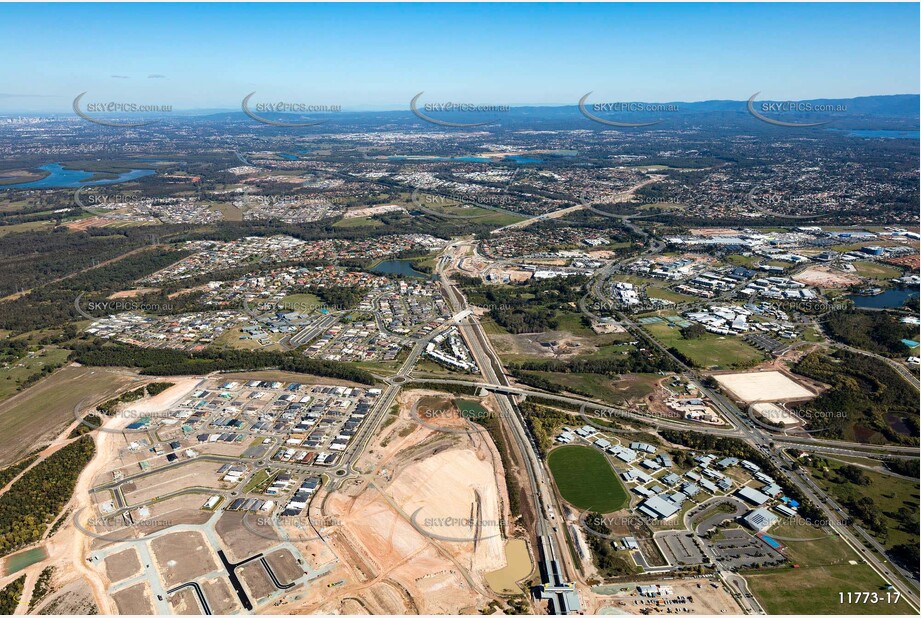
{"points": [[694, 331]]}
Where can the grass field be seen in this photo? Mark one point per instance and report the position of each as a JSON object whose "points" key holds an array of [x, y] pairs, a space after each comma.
{"points": [[889, 494], [357, 222], [619, 390], [710, 350], [303, 303], [259, 481], [486, 216], [823, 571], [12, 376], [37, 414], [586, 480], [874, 270]]}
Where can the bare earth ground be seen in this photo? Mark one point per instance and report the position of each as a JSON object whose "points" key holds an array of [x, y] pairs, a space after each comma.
{"points": [[826, 278], [706, 599], [182, 556], [385, 564], [763, 386]]}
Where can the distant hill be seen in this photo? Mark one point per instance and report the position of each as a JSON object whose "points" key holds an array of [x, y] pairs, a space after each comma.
{"points": [[893, 106]]}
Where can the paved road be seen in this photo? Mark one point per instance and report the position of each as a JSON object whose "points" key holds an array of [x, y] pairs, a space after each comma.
{"points": [[546, 511]]}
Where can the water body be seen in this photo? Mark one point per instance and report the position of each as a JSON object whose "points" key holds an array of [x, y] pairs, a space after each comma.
{"points": [[60, 178], [893, 297], [884, 134], [521, 159], [398, 267], [505, 580], [470, 409], [288, 156], [18, 562]]}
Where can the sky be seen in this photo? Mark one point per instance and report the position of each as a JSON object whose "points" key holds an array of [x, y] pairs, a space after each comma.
{"points": [[378, 56]]}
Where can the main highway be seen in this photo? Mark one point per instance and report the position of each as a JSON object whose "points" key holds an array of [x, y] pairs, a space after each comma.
{"points": [[546, 512]]}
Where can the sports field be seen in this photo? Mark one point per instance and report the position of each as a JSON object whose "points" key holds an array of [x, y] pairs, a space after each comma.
{"points": [[586, 480]]}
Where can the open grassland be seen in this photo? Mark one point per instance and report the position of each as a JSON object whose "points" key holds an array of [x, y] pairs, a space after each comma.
{"points": [[357, 222], [34, 416], [605, 388], [875, 270], [709, 350], [889, 493], [18, 372], [586, 480], [823, 571]]}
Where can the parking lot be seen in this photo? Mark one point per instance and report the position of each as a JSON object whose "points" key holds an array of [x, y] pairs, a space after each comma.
{"points": [[737, 549], [680, 548]]}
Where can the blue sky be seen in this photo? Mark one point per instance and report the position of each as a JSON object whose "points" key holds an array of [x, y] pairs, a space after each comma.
{"points": [[377, 56]]}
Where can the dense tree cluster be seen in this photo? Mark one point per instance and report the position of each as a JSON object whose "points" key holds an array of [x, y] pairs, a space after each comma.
{"points": [[906, 467], [339, 296], [907, 556], [606, 558], [528, 308], [57, 302], [637, 361], [33, 501], [11, 594], [165, 362], [11, 472], [543, 423], [42, 587], [865, 396], [875, 331]]}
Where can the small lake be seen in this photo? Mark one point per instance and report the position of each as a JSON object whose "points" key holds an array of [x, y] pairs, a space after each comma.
{"points": [[18, 562], [60, 178], [893, 297], [521, 159], [505, 580], [288, 156], [398, 267], [470, 409]]}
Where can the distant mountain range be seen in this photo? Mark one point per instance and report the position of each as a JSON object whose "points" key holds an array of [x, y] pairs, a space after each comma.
{"points": [[895, 105], [899, 111]]}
